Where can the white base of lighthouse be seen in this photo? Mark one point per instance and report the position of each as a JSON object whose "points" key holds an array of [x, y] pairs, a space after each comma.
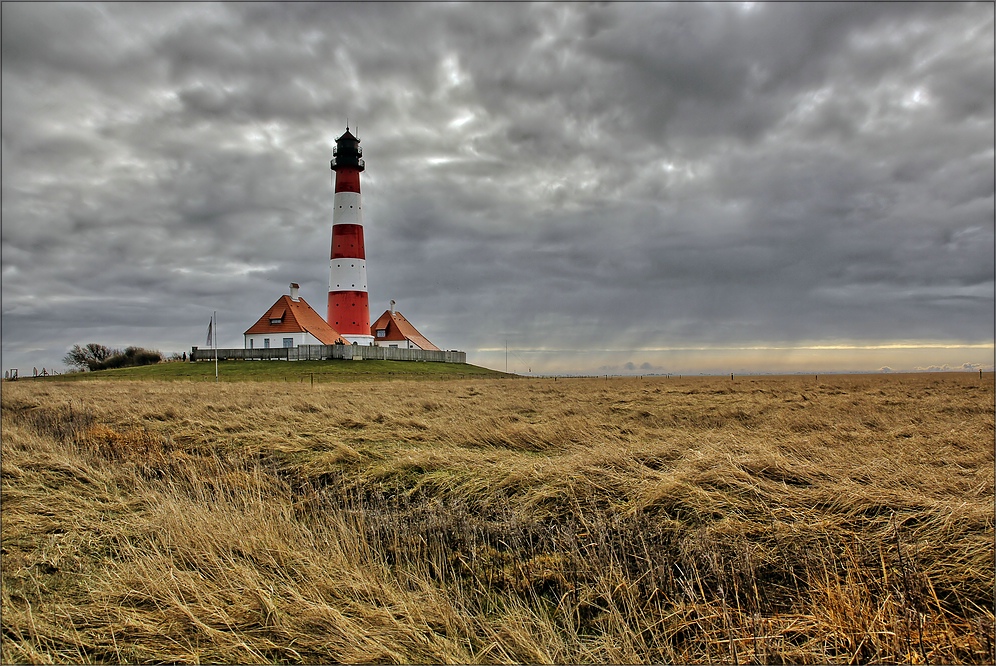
{"points": [[363, 340]]}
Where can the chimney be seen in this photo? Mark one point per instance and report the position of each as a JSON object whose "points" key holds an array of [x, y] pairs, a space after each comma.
{"points": [[392, 306], [294, 286]]}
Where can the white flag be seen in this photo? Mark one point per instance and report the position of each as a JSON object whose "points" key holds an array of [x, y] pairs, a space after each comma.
{"points": [[211, 323]]}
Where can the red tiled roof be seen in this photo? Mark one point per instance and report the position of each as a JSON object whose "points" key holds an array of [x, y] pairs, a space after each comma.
{"points": [[295, 317], [398, 328]]}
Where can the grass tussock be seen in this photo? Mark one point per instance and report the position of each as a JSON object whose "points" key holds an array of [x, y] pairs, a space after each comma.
{"points": [[762, 520]]}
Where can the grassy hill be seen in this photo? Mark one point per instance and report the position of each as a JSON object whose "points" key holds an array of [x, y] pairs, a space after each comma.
{"points": [[296, 371]]}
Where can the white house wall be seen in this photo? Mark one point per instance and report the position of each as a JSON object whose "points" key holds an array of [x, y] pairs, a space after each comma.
{"points": [[277, 340], [400, 344]]}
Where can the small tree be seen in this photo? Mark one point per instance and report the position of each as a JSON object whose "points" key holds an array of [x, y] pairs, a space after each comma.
{"points": [[89, 356]]}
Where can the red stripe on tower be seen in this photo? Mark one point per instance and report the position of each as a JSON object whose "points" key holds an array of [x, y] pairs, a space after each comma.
{"points": [[349, 310]]}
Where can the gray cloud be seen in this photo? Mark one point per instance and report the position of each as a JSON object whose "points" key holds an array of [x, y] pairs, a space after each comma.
{"points": [[570, 176]]}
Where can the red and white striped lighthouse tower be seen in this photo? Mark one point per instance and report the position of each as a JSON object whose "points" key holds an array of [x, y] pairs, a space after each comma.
{"points": [[349, 310]]}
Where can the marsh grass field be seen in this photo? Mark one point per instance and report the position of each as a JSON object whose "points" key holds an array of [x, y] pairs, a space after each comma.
{"points": [[842, 519]]}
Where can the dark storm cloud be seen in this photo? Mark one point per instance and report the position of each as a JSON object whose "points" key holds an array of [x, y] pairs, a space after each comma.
{"points": [[571, 175]]}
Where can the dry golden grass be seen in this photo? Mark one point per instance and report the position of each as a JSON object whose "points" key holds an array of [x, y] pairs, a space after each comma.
{"points": [[759, 520]]}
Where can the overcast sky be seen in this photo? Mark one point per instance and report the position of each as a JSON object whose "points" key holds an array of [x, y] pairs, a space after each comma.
{"points": [[602, 187]]}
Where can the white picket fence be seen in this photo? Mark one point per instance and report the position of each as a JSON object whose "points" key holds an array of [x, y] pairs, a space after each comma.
{"points": [[329, 352]]}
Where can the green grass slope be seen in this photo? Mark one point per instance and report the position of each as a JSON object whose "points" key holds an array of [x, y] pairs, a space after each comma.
{"points": [[289, 371]]}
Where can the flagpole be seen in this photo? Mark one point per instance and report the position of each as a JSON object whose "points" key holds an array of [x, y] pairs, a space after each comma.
{"points": [[215, 318]]}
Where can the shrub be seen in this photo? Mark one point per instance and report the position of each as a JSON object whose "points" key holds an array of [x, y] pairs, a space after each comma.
{"points": [[130, 357], [94, 356]]}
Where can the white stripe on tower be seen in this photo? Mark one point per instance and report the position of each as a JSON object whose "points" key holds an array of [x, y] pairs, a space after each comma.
{"points": [[348, 273], [348, 305]]}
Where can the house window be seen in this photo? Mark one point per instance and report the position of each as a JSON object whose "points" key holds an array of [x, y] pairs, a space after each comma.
{"points": [[250, 343], [276, 321], [381, 332], [395, 346], [288, 342], [266, 343]]}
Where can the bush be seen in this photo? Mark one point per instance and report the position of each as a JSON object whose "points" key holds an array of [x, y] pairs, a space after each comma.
{"points": [[95, 356], [130, 357]]}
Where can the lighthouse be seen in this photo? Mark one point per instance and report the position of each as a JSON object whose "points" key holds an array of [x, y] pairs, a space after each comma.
{"points": [[348, 308]]}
